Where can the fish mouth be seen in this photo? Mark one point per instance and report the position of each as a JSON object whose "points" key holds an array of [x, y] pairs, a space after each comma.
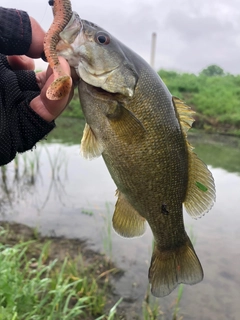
{"points": [[98, 75], [98, 92]]}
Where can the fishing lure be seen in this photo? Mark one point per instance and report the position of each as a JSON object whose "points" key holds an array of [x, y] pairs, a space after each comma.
{"points": [[61, 86]]}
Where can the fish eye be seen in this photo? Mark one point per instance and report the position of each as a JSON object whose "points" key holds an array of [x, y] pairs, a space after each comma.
{"points": [[102, 38]]}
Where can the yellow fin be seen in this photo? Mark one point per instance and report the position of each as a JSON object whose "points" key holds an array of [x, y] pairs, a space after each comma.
{"points": [[185, 114], [126, 220], [200, 195], [125, 124], [172, 267], [91, 147]]}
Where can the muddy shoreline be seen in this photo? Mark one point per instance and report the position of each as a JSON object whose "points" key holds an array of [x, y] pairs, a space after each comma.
{"points": [[60, 248]]}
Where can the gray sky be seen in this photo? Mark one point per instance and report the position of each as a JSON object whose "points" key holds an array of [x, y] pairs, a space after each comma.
{"points": [[191, 34]]}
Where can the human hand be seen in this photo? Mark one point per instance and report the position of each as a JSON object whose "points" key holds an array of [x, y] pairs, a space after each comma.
{"points": [[45, 108], [36, 47], [51, 109]]}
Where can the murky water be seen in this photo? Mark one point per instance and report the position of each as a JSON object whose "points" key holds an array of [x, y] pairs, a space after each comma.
{"points": [[57, 191]]}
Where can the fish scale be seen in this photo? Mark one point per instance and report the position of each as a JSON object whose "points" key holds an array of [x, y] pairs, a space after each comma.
{"points": [[140, 130]]}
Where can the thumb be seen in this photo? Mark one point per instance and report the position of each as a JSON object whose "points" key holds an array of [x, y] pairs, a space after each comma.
{"points": [[50, 109]]}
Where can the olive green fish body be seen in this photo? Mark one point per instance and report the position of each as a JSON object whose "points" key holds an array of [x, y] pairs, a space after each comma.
{"points": [[149, 168], [141, 131]]}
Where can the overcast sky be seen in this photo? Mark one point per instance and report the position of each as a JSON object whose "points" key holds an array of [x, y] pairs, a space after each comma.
{"points": [[191, 34]]}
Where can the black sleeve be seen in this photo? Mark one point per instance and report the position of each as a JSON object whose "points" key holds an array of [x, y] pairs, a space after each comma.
{"points": [[20, 126], [15, 32]]}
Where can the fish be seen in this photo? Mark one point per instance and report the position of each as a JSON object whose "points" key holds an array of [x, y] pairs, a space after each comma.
{"points": [[61, 86], [140, 130]]}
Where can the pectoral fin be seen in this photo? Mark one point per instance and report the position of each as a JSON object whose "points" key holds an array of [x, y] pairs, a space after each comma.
{"points": [[91, 147], [125, 124], [126, 220]]}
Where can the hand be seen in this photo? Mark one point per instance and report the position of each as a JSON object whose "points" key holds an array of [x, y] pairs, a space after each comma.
{"points": [[51, 109], [45, 108], [36, 47]]}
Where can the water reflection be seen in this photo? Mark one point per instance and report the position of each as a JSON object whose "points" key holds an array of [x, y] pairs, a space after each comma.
{"points": [[219, 151], [61, 193], [26, 177]]}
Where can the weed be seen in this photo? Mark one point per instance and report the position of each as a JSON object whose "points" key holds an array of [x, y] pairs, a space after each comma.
{"points": [[150, 308], [33, 286], [107, 233], [177, 303], [87, 212]]}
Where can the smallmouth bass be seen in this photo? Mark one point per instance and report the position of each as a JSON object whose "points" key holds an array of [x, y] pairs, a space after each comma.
{"points": [[140, 129]]}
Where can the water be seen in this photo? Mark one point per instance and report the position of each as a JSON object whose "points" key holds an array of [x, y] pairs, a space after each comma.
{"points": [[62, 194]]}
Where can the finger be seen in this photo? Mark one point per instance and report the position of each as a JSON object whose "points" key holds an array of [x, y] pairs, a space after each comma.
{"points": [[21, 63], [36, 47], [50, 109], [43, 76]]}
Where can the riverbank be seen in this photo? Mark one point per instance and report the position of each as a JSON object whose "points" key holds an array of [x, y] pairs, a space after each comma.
{"points": [[53, 278], [57, 192]]}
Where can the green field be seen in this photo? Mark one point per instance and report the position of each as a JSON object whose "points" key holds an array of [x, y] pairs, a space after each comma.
{"points": [[213, 94]]}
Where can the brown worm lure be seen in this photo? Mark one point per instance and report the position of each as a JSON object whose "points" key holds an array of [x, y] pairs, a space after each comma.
{"points": [[61, 86]]}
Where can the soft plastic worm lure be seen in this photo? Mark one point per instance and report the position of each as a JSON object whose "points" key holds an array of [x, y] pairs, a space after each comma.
{"points": [[61, 86]]}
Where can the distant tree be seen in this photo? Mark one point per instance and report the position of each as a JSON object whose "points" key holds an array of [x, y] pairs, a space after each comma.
{"points": [[212, 71]]}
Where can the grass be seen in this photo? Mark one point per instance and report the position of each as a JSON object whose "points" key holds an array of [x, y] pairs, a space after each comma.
{"points": [[74, 107], [107, 231], [151, 308], [54, 278], [215, 98], [35, 286]]}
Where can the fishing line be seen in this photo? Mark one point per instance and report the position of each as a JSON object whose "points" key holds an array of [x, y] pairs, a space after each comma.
{"points": [[45, 12]]}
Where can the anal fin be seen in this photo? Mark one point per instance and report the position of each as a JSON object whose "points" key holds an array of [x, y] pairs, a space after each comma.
{"points": [[127, 222]]}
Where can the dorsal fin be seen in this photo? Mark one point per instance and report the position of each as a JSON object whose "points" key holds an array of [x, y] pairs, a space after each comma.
{"points": [[185, 114], [200, 195]]}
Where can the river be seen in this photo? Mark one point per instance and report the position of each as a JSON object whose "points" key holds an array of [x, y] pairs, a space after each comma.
{"points": [[53, 189]]}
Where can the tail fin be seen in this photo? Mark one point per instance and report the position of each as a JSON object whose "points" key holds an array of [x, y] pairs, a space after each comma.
{"points": [[170, 268]]}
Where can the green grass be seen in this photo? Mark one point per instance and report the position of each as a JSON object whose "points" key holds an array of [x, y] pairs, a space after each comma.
{"points": [[214, 98], [107, 230], [68, 130], [74, 108], [46, 279], [151, 307], [33, 286]]}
